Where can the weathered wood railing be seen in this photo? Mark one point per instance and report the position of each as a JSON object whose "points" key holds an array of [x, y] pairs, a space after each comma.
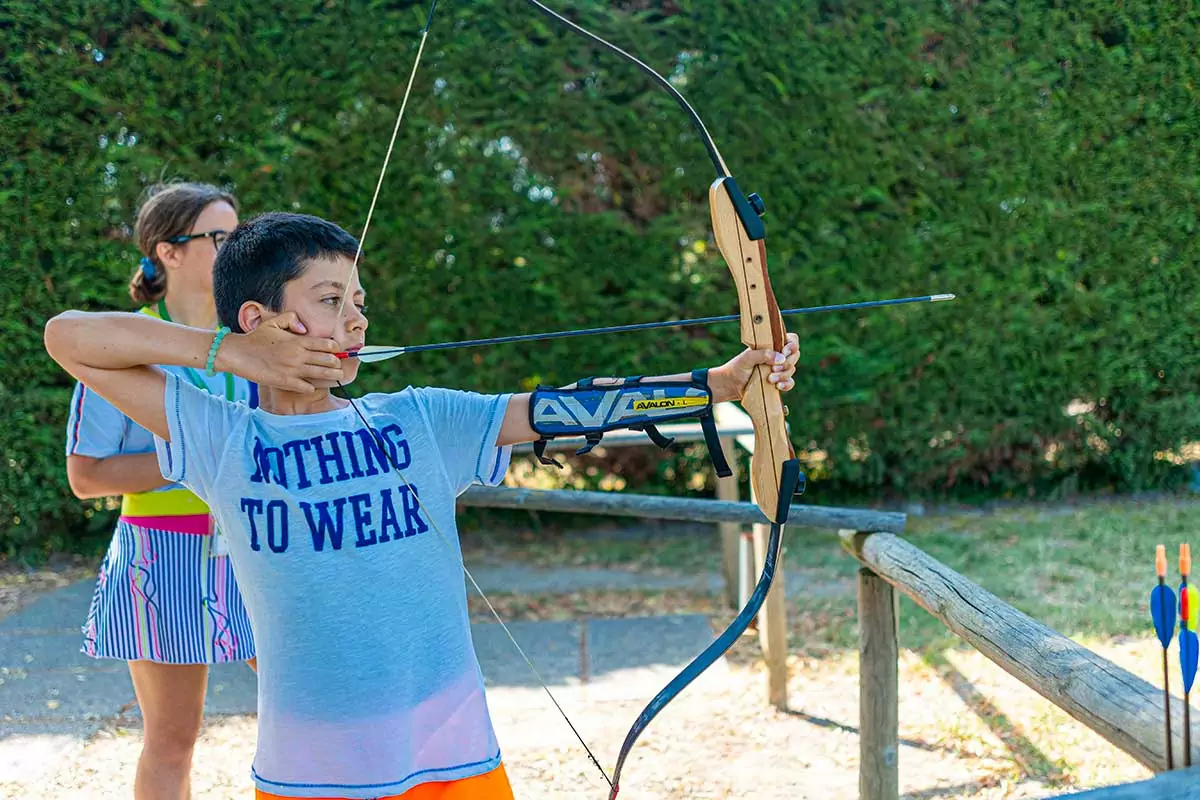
{"points": [[736, 430], [773, 633], [1121, 707], [744, 537], [1178, 784]]}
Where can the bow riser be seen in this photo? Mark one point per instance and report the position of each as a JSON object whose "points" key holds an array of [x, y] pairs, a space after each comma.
{"points": [[740, 238]]}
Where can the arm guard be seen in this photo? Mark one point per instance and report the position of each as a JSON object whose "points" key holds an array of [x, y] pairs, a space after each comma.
{"points": [[589, 411]]}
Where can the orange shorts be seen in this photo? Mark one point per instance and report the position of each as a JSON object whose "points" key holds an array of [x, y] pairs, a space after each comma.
{"points": [[492, 785]]}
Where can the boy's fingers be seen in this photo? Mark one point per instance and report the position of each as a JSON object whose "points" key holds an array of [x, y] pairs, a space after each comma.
{"points": [[324, 374], [325, 360], [322, 346], [287, 321], [771, 357]]}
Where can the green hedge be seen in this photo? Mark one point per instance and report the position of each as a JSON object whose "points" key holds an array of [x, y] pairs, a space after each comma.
{"points": [[1037, 160]]}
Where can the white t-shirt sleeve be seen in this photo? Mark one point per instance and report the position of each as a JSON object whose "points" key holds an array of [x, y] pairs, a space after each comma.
{"points": [[200, 427], [466, 426], [95, 427]]}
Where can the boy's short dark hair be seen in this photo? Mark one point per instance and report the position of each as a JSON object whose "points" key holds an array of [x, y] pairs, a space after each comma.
{"points": [[264, 253]]}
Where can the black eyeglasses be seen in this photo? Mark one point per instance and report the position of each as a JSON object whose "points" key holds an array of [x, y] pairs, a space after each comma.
{"points": [[219, 237]]}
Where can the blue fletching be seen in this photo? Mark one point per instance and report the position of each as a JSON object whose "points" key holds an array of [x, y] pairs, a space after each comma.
{"points": [[1189, 648], [1162, 609]]}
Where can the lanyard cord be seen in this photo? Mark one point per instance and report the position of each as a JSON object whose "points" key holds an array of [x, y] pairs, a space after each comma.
{"points": [[192, 375]]}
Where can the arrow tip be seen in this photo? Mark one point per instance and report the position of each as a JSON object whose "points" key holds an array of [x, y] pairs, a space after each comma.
{"points": [[937, 298]]}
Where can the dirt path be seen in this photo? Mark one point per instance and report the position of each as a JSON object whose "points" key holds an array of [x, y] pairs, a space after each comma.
{"points": [[717, 741]]}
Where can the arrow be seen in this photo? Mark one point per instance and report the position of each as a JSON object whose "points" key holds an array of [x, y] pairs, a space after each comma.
{"points": [[372, 353], [1189, 646], [1162, 610]]}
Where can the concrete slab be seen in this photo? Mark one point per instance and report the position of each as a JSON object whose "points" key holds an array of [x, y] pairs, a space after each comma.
{"points": [[232, 689], [633, 642], [553, 646], [49, 651], [63, 695], [62, 611], [508, 577]]}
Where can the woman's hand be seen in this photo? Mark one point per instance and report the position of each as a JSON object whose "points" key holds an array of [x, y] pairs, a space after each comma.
{"points": [[278, 354], [728, 381]]}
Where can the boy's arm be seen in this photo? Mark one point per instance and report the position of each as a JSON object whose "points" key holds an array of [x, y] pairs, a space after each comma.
{"points": [[726, 382], [113, 353]]}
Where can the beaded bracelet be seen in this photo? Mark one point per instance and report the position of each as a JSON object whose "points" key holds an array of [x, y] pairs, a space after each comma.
{"points": [[212, 351]]}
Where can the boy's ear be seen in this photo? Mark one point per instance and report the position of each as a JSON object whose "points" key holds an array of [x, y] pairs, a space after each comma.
{"points": [[251, 315]]}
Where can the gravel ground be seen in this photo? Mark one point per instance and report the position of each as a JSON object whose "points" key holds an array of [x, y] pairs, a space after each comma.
{"points": [[967, 730], [20, 586], [715, 741]]}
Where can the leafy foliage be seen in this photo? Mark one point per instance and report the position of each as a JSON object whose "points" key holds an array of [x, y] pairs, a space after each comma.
{"points": [[1038, 160]]}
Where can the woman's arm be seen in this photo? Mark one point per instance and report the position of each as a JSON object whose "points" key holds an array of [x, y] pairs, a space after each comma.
{"points": [[118, 474]]}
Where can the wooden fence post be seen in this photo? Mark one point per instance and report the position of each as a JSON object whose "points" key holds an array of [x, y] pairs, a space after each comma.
{"points": [[730, 532], [772, 628], [878, 687]]}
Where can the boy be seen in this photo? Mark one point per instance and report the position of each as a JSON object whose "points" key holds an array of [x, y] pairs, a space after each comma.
{"points": [[343, 538]]}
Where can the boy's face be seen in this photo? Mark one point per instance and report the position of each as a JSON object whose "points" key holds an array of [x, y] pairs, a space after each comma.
{"points": [[316, 297]]}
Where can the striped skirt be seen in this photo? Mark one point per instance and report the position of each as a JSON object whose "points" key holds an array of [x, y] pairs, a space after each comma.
{"points": [[166, 597]]}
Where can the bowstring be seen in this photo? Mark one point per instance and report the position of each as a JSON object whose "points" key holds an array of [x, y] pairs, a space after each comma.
{"points": [[386, 160], [496, 614], [382, 446]]}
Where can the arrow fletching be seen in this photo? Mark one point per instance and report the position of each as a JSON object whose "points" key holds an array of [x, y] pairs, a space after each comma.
{"points": [[1189, 649], [1162, 610], [371, 353], [1189, 608]]}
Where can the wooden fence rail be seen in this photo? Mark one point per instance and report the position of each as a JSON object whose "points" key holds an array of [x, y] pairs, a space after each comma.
{"points": [[1124, 709], [1178, 784], [1121, 707], [678, 508]]}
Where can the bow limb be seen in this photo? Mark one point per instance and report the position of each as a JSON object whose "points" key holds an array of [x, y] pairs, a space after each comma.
{"points": [[774, 469], [775, 472]]}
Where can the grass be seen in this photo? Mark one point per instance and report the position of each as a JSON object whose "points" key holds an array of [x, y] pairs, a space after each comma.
{"points": [[1085, 571]]}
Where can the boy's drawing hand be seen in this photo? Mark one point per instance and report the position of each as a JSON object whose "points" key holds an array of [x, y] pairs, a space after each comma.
{"points": [[277, 353], [730, 379]]}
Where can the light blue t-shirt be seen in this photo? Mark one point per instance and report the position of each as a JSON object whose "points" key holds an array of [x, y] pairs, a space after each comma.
{"points": [[98, 429], [368, 680]]}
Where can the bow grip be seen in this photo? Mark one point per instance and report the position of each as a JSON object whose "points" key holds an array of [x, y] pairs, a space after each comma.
{"points": [[740, 237]]}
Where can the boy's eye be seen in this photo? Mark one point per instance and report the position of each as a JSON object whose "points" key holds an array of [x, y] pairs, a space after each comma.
{"points": [[336, 299]]}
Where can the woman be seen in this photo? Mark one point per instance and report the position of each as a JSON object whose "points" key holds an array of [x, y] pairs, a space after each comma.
{"points": [[166, 600]]}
